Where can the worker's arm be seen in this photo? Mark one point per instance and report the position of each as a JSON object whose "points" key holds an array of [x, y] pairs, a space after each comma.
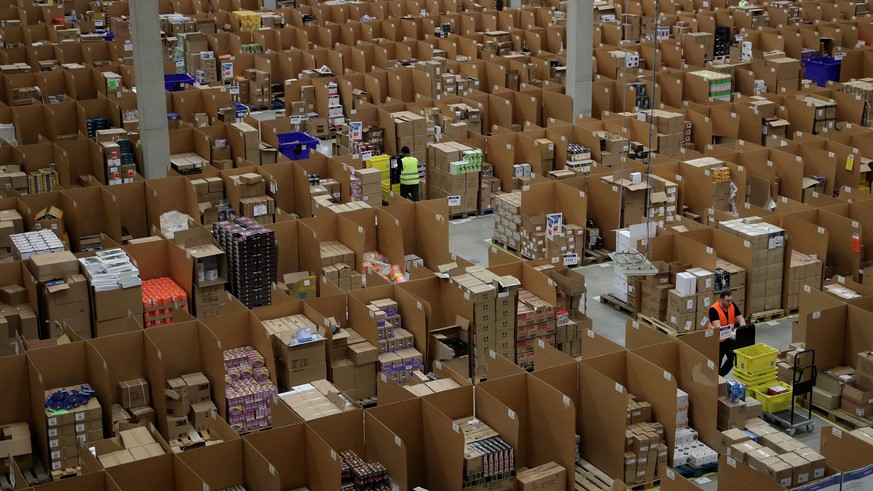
{"points": [[741, 320], [714, 319]]}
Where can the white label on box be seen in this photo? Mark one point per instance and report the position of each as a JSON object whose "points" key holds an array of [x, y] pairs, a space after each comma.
{"points": [[80, 416], [590, 333], [53, 443], [816, 314], [670, 473], [128, 46], [566, 400], [53, 422], [333, 454], [384, 378], [493, 354], [234, 90], [205, 486], [731, 462], [619, 388], [56, 466], [667, 376], [511, 414], [709, 333], [710, 364], [454, 200], [272, 470], [456, 428], [689, 304], [80, 428], [541, 343], [56, 455]]}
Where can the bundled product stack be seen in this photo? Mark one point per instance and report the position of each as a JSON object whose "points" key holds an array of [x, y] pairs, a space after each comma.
{"points": [[655, 291], [482, 444], [864, 88], [299, 350], [353, 362], [335, 112], [248, 20], [366, 186], [360, 475], [251, 259], [253, 200], [334, 252], [634, 193], [856, 396], [27, 244], [466, 118], [764, 282], [569, 334], [688, 449], [62, 293], [72, 414], [118, 156], [189, 404], [804, 271], [578, 159], [134, 403], [454, 173], [712, 85], [397, 357], [645, 447], [536, 321], [188, 163], [507, 220], [825, 114], [774, 454], [249, 390], [670, 129], [206, 71], [542, 236], [160, 298], [116, 289], [729, 276], [316, 400], [43, 180]]}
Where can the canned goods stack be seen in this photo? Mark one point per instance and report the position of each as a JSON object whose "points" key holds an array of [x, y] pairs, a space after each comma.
{"points": [[160, 297]]}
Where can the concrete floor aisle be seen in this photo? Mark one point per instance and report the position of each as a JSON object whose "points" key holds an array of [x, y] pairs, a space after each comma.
{"points": [[470, 239]]}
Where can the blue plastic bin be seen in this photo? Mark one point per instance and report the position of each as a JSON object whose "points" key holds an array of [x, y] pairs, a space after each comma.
{"points": [[297, 144], [822, 70], [176, 82]]}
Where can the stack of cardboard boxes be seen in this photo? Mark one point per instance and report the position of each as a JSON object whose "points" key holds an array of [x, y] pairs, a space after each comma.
{"points": [[774, 454], [188, 163], [250, 390], [67, 427], [353, 364], [210, 193], [206, 69], [335, 111], [688, 449], [12, 177], [454, 173], [299, 350], [688, 304], [764, 282], [189, 404], [655, 292], [662, 200], [366, 186], [16, 316], [828, 390], [209, 277], [134, 404], [670, 129], [116, 290], [633, 196], [63, 294], [494, 312], [856, 396], [645, 448], [410, 130], [118, 157], [397, 357], [129, 446], [542, 236], [343, 276], [536, 323], [335, 252], [421, 385], [465, 118], [804, 271], [253, 200], [260, 94]]}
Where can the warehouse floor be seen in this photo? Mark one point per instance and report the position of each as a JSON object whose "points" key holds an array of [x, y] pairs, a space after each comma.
{"points": [[470, 238]]}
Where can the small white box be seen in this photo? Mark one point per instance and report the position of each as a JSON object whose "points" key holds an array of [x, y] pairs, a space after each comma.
{"points": [[686, 283]]}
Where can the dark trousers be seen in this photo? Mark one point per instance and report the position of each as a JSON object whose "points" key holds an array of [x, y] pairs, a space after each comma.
{"points": [[410, 192], [725, 356]]}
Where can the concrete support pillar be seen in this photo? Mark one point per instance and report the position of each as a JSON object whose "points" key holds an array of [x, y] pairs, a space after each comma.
{"points": [[580, 25], [145, 30]]}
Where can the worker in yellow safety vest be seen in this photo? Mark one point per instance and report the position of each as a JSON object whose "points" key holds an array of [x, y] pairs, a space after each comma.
{"points": [[744, 3], [724, 314], [409, 182]]}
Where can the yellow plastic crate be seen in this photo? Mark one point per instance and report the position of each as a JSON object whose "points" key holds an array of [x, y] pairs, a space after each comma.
{"points": [[755, 379], [774, 404], [756, 358]]}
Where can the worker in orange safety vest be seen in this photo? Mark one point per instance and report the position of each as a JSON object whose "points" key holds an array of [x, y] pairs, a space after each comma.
{"points": [[723, 316]]}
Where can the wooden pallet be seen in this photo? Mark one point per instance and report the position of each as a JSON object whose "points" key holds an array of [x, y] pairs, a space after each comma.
{"points": [[194, 439], [36, 474], [617, 304], [504, 246], [250, 432], [460, 216], [595, 257], [590, 478], [645, 485], [65, 473], [692, 472], [844, 417], [767, 315], [658, 325]]}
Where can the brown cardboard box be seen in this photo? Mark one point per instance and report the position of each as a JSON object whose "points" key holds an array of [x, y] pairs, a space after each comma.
{"points": [[133, 393], [547, 477], [198, 387], [46, 267]]}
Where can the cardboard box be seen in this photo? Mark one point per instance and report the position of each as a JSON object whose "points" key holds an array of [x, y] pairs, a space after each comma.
{"points": [[547, 477], [198, 387], [133, 393]]}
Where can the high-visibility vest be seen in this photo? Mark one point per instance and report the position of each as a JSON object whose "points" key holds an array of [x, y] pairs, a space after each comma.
{"points": [[727, 320], [744, 3], [409, 171]]}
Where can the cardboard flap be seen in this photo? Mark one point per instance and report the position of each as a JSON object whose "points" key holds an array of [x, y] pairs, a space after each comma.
{"points": [[57, 287]]}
